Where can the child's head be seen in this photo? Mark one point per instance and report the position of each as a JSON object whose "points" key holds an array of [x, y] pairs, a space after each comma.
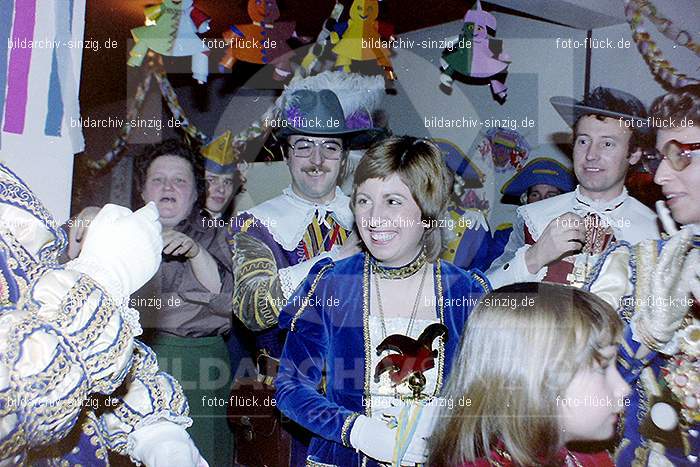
{"points": [[535, 370]]}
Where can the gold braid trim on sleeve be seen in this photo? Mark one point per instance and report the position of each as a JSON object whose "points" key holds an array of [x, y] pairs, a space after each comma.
{"points": [[257, 294], [345, 432], [312, 289]]}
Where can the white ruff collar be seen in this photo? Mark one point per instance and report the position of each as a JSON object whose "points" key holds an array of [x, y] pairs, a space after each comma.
{"points": [[288, 215], [584, 203]]}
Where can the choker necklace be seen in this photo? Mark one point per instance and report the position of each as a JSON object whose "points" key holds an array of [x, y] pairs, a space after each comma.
{"points": [[401, 272]]}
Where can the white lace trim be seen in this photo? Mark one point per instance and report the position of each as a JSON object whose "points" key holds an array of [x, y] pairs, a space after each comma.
{"points": [[531, 226], [164, 415], [99, 274], [131, 317], [286, 282], [287, 216]]}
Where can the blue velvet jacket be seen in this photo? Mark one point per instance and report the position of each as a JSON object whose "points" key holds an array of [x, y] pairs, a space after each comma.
{"points": [[328, 339]]}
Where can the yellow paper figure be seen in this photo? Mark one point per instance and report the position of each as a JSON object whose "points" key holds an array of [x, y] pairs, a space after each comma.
{"points": [[360, 39]]}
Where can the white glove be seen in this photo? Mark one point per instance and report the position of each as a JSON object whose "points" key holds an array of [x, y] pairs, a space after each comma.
{"points": [[165, 444], [690, 277], [376, 439], [122, 250], [691, 274], [668, 280]]}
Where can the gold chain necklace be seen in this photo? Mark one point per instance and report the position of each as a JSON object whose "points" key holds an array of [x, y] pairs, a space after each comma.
{"points": [[415, 304]]}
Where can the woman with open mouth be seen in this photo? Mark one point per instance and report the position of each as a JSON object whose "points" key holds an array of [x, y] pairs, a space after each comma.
{"points": [[383, 324], [194, 285]]}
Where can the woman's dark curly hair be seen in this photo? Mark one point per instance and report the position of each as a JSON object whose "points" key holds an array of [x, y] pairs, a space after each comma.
{"points": [[171, 147], [680, 104]]}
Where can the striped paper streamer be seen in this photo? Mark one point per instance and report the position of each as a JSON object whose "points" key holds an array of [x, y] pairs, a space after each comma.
{"points": [[18, 73]]}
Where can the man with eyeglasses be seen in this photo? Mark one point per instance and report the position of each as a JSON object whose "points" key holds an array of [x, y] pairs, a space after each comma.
{"points": [[560, 239], [275, 244], [652, 285]]}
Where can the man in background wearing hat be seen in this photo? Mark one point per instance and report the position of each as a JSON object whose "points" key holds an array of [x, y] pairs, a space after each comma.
{"points": [[559, 239], [541, 178], [275, 244], [224, 181]]}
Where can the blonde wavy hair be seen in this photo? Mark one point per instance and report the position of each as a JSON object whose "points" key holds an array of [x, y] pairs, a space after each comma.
{"points": [[522, 347]]}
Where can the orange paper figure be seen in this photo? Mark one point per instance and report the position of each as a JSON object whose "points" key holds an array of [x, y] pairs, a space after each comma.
{"points": [[171, 29], [360, 39], [262, 42]]}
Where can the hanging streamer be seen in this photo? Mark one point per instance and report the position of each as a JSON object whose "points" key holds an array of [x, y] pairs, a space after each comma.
{"points": [[20, 59], [662, 68], [5, 35], [157, 72]]}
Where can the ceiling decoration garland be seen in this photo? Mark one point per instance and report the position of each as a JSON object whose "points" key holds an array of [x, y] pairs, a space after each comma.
{"points": [[636, 11], [155, 70]]}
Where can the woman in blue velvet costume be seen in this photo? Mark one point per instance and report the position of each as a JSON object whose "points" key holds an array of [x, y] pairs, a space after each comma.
{"points": [[331, 379]]}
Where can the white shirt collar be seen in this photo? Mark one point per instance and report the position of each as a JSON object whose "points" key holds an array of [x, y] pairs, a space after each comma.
{"points": [[288, 215], [601, 206], [339, 204]]}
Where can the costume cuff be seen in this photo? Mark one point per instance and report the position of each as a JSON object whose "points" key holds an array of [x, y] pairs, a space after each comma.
{"points": [[515, 271], [99, 274], [347, 429], [292, 276], [640, 335]]}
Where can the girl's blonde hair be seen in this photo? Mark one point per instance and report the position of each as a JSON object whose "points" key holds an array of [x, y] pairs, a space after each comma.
{"points": [[522, 346], [420, 166]]}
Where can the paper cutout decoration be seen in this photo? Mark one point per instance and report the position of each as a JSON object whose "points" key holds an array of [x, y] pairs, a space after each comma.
{"points": [[472, 54], [463, 169], [508, 149], [219, 157], [171, 29], [262, 42], [39, 84], [312, 58], [352, 37]]}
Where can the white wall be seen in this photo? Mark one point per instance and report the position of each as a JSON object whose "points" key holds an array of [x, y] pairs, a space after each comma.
{"points": [[539, 70]]}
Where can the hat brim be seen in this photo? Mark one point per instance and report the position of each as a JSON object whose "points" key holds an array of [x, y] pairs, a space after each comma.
{"points": [[570, 110], [290, 130]]}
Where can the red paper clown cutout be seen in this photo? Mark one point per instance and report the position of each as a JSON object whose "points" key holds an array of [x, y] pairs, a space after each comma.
{"points": [[171, 29], [351, 38], [471, 54], [262, 42]]}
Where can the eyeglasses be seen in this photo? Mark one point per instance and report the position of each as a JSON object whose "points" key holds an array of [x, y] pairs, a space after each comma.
{"points": [[676, 153], [330, 150]]}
